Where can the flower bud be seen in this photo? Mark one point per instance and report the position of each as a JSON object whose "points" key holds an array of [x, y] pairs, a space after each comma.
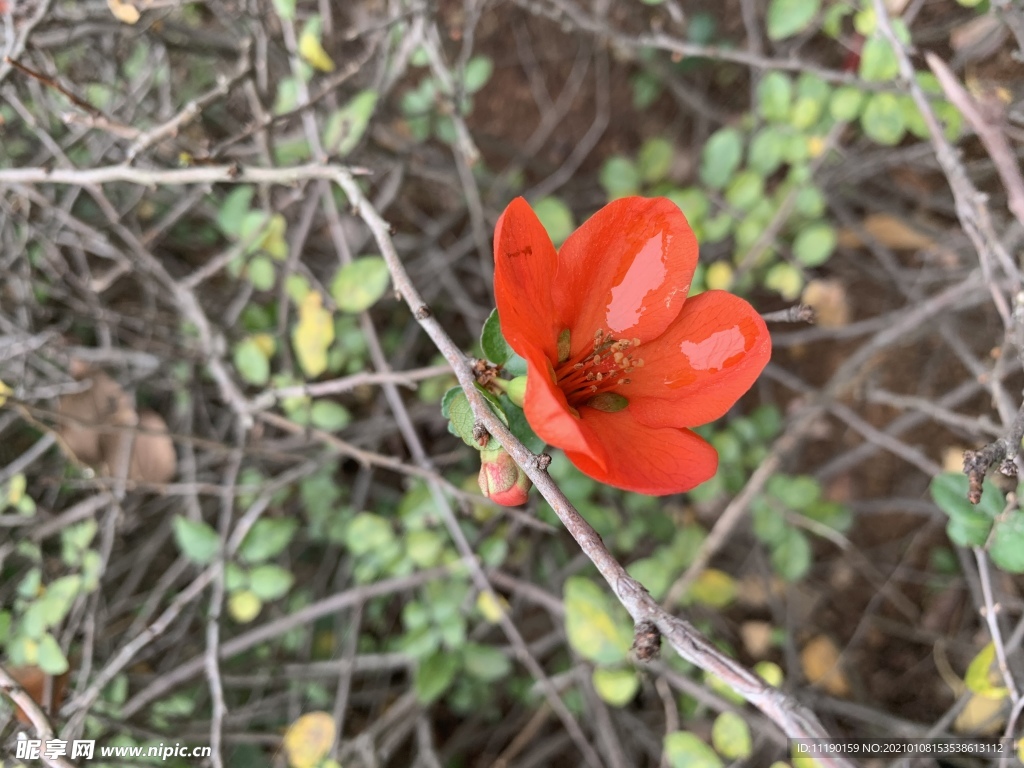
{"points": [[501, 479], [516, 390]]}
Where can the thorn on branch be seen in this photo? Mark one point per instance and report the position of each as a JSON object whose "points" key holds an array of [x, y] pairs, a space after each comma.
{"points": [[646, 641]]}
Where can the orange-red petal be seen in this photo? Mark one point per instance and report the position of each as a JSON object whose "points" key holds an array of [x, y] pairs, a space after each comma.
{"points": [[524, 270], [701, 365], [549, 415], [627, 270], [642, 459]]}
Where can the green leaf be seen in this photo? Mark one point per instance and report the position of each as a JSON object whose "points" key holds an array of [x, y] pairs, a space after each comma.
{"points": [[619, 177], [745, 190], [774, 96], [433, 676], [882, 119], [810, 202], [269, 582], [769, 523], [520, 427], [424, 547], [786, 279], [447, 399], [492, 341], [949, 491], [713, 588], [766, 150], [234, 210], [359, 285], [806, 112], [251, 362], [845, 103], [285, 9], [721, 157], [556, 218], [196, 540], [685, 750], [618, 687], [790, 17], [260, 272], [654, 160], [53, 605], [368, 532], [478, 72], [329, 415], [815, 244], [830, 513], [646, 89], [596, 626], [484, 662], [730, 735], [235, 577], [653, 574], [692, 202], [461, 419], [796, 492], [51, 658], [1007, 546], [983, 675], [346, 126], [267, 538], [968, 526], [878, 62], [791, 556]]}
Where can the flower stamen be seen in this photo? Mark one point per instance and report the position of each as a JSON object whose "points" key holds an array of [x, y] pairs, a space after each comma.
{"points": [[590, 375]]}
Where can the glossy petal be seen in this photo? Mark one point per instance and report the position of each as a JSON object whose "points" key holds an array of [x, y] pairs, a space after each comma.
{"points": [[702, 364], [524, 270], [643, 459], [549, 415], [626, 270]]}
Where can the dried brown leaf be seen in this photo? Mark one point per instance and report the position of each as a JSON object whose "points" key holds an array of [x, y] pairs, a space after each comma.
{"points": [[829, 301], [820, 662], [153, 457], [891, 232]]}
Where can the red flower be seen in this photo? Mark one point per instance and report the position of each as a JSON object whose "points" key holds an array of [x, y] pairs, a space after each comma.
{"points": [[620, 362]]}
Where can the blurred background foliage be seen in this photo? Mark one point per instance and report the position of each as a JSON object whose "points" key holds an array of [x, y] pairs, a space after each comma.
{"points": [[315, 552]]}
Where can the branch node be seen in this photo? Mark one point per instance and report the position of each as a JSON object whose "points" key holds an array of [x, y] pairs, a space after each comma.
{"points": [[422, 312], [646, 641]]}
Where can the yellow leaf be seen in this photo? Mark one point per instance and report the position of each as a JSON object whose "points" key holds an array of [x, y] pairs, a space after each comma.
{"points": [[124, 12], [313, 52], [713, 587], [308, 740], [718, 276], [492, 606], [983, 676], [313, 334], [820, 662], [4, 392], [267, 344], [244, 606], [981, 715]]}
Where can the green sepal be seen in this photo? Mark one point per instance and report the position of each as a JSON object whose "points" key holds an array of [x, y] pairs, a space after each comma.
{"points": [[492, 341]]}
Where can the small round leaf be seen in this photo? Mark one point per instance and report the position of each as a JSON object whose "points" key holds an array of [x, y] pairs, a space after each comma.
{"points": [[359, 285]]}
